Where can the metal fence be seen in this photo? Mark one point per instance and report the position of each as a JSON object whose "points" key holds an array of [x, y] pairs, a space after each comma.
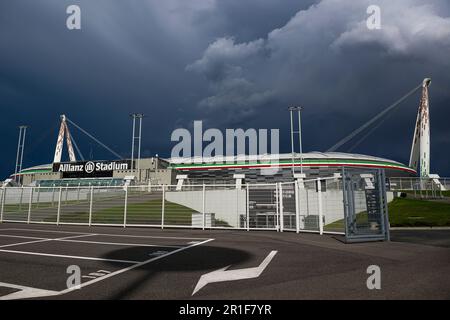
{"points": [[301, 206], [414, 183]]}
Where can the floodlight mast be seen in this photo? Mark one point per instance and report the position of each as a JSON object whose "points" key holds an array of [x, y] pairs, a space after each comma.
{"points": [[136, 136], [20, 151]]}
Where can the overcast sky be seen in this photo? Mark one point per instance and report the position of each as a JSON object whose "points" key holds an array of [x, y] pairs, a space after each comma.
{"points": [[230, 63]]}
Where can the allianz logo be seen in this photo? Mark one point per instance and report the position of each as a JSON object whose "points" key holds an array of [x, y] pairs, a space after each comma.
{"points": [[91, 166]]}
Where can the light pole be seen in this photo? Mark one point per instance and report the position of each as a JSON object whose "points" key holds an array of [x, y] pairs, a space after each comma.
{"points": [[136, 137], [299, 131], [20, 149], [300, 138]]}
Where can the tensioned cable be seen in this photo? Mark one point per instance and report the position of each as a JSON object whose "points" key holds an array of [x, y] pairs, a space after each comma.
{"points": [[371, 121], [357, 143], [95, 139]]}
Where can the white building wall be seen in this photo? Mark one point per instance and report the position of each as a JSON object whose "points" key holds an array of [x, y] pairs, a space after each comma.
{"points": [[227, 205]]}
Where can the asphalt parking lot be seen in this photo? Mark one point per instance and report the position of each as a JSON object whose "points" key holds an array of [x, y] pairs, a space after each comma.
{"points": [[38, 261], [433, 237]]}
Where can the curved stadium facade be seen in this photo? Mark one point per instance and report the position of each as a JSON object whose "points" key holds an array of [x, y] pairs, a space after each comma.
{"points": [[222, 170], [315, 164]]}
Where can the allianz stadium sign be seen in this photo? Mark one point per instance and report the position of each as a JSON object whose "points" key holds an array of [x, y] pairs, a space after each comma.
{"points": [[89, 169]]}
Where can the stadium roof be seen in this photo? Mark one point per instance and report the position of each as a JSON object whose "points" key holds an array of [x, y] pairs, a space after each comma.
{"points": [[309, 159], [281, 156], [314, 158]]}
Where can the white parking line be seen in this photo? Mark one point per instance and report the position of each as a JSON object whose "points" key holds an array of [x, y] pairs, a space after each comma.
{"points": [[66, 256], [41, 230], [25, 292], [140, 264], [28, 292], [22, 237], [45, 240], [123, 244], [128, 244], [107, 234]]}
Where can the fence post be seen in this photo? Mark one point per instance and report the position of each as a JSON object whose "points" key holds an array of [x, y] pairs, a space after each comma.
{"points": [[53, 195], [125, 208], [384, 205], [30, 204], [203, 206], [248, 208], [433, 194], [90, 205], [3, 204], [280, 189], [59, 206], [319, 198], [21, 198], [297, 207], [163, 205], [277, 208], [38, 196]]}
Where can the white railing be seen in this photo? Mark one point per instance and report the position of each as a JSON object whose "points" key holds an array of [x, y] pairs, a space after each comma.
{"points": [[312, 206], [428, 188]]}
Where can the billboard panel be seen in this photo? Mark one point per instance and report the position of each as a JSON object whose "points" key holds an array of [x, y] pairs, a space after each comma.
{"points": [[91, 169]]}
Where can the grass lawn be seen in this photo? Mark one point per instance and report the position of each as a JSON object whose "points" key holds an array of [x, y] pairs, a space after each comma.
{"points": [[424, 192], [148, 212], [337, 226], [404, 212], [21, 208], [361, 218]]}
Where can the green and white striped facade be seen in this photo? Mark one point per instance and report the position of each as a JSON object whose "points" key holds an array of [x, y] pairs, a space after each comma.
{"points": [[222, 170], [315, 164]]}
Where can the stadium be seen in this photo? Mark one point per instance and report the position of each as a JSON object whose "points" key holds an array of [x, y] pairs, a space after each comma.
{"points": [[214, 170], [210, 171]]}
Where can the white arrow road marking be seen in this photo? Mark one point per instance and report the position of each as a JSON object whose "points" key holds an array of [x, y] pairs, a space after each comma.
{"points": [[231, 275]]}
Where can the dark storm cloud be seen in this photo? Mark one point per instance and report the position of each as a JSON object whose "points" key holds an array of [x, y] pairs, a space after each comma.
{"points": [[329, 48], [327, 59], [231, 63], [129, 56]]}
